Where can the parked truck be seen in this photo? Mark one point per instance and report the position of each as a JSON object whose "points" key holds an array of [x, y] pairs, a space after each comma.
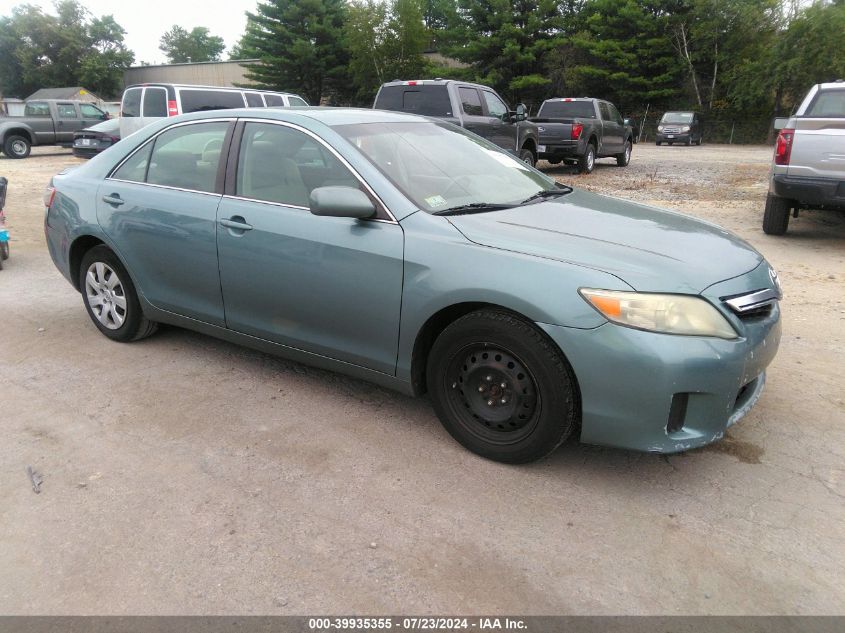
{"points": [[808, 170], [579, 131], [474, 107], [46, 122]]}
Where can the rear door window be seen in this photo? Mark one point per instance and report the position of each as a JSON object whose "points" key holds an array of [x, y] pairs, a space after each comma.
{"points": [[66, 111], [131, 106], [470, 101], [829, 104], [254, 100], [274, 100], [187, 156], [203, 100], [155, 102]]}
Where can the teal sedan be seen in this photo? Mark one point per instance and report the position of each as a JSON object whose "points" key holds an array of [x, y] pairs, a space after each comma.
{"points": [[413, 254]]}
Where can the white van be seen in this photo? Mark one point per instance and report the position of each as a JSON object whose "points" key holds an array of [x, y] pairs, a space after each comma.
{"points": [[143, 104]]}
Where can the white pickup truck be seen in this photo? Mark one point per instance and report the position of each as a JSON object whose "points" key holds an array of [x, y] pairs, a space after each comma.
{"points": [[808, 171]]}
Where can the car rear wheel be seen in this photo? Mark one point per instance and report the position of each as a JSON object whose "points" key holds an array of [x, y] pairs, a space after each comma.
{"points": [[527, 156], [624, 158], [776, 215], [587, 162], [16, 146], [110, 297], [501, 388]]}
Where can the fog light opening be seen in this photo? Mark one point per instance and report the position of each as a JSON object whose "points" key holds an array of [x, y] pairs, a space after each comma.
{"points": [[677, 413]]}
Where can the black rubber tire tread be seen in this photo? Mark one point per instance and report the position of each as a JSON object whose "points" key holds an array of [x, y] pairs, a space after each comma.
{"points": [[561, 403], [776, 215], [620, 158], [136, 326], [583, 165], [7, 146], [525, 153]]}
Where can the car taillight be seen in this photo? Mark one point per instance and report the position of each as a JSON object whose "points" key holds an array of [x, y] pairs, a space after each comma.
{"points": [[49, 194], [783, 147], [577, 128], [172, 110]]}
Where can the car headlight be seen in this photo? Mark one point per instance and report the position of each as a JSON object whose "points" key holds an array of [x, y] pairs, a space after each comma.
{"points": [[659, 128], [669, 314], [685, 128]]}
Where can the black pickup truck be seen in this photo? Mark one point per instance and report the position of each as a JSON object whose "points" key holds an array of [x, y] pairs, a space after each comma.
{"points": [[46, 122], [474, 107], [582, 130]]}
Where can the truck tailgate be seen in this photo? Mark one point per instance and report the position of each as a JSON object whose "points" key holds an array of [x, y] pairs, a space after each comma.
{"points": [[818, 148]]}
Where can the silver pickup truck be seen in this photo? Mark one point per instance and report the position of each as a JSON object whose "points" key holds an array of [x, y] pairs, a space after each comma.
{"points": [[808, 170], [46, 122]]}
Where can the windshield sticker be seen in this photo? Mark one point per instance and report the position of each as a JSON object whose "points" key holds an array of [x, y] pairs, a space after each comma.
{"points": [[435, 201]]}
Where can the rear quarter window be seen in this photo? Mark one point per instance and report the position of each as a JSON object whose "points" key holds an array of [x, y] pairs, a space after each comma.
{"points": [[274, 100], [253, 100], [828, 104], [204, 100], [423, 100], [131, 106]]}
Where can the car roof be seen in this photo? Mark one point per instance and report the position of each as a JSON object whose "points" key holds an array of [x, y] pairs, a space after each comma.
{"points": [[327, 115], [201, 87], [433, 82]]}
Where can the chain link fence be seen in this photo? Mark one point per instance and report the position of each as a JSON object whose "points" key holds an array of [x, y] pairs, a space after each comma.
{"points": [[731, 130]]}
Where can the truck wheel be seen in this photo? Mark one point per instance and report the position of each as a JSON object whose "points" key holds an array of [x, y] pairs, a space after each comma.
{"points": [[588, 160], [625, 157], [527, 156], [776, 216], [16, 146], [554, 161]]}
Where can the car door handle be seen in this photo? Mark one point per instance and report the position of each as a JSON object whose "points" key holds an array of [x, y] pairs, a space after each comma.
{"points": [[236, 223], [113, 199]]}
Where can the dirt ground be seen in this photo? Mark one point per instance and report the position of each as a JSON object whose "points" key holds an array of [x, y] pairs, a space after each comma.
{"points": [[186, 475]]}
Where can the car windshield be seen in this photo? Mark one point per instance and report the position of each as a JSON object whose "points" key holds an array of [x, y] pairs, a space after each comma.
{"points": [[677, 117], [439, 166]]}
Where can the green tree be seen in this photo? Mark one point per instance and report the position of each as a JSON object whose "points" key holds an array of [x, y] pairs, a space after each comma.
{"points": [[506, 42], [197, 45], [300, 47], [71, 48]]}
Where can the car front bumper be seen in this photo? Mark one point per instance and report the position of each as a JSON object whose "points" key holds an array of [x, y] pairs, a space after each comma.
{"points": [[673, 138], [665, 393], [813, 192]]}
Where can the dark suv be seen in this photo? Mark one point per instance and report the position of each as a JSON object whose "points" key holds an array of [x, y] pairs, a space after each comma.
{"points": [[474, 107], [680, 127]]}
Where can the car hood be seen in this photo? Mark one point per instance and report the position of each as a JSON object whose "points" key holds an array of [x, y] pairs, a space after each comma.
{"points": [[650, 249]]}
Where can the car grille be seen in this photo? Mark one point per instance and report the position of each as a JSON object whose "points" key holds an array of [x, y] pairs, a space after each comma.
{"points": [[753, 305], [671, 130]]}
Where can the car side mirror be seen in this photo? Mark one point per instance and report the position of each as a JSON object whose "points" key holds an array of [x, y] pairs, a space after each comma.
{"points": [[780, 123], [341, 202], [521, 112]]}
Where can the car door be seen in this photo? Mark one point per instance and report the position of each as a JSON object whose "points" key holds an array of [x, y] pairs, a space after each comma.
{"points": [[91, 115], [67, 122], [502, 132], [159, 210], [326, 285], [611, 142], [474, 118]]}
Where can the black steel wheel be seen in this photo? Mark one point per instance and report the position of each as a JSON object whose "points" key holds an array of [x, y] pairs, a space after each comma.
{"points": [[501, 387]]}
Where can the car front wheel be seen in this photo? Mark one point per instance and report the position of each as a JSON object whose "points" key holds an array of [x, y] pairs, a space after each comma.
{"points": [[501, 388], [625, 157], [110, 297], [527, 156]]}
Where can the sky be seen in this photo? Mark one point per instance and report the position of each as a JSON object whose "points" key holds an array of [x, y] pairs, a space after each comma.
{"points": [[145, 21]]}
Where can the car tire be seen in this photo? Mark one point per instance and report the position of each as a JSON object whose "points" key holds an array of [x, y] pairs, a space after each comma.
{"points": [[16, 146], [110, 297], [528, 418], [624, 158], [776, 215], [527, 156], [587, 162], [554, 161]]}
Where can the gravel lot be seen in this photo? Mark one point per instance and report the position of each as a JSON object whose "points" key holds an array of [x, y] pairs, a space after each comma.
{"points": [[186, 475]]}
